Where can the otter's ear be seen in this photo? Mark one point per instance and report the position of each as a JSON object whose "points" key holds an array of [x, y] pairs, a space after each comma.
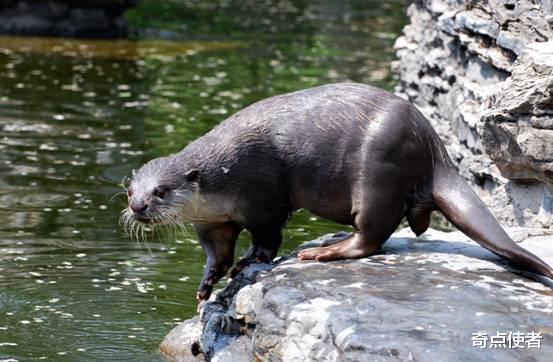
{"points": [[192, 175]]}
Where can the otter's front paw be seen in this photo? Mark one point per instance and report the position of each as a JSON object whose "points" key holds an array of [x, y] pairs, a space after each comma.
{"points": [[203, 293], [244, 262]]}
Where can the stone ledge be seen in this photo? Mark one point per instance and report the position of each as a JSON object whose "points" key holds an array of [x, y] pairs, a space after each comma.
{"points": [[420, 300]]}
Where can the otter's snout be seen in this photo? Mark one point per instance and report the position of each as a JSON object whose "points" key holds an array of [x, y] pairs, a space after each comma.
{"points": [[138, 206]]}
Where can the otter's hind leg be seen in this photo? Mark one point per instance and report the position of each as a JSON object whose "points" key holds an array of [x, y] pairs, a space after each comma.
{"points": [[379, 215], [218, 241]]}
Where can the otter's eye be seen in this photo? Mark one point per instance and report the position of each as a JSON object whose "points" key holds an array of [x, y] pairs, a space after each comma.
{"points": [[129, 192], [161, 192]]}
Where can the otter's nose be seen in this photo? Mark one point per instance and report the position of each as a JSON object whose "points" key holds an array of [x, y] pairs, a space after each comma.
{"points": [[138, 206]]}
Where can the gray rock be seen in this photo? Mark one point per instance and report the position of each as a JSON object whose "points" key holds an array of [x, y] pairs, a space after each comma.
{"points": [[179, 342], [24, 24], [77, 18], [516, 126], [420, 300], [456, 55], [477, 21]]}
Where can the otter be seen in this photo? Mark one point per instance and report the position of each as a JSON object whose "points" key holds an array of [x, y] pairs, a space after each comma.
{"points": [[351, 153]]}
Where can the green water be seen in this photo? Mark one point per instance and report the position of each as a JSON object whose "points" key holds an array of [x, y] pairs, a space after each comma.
{"points": [[77, 116]]}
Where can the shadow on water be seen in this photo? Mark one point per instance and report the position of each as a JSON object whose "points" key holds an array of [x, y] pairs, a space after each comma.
{"points": [[76, 116]]}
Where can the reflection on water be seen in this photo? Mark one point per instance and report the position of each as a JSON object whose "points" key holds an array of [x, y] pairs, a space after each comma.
{"points": [[77, 116], [119, 49]]}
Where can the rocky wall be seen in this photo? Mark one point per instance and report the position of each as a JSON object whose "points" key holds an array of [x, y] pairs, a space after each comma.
{"points": [[482, 71], [68, 18]]}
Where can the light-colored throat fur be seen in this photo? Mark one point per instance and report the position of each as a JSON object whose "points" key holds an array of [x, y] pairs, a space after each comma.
{"points": [[196, 207]]}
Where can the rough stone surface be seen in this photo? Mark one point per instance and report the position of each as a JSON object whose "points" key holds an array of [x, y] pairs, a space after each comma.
{"points": [[517, 127], [457, 55], [70, 18], [420, 300]]}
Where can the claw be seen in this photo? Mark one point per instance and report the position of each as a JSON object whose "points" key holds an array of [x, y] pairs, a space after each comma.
{"points": [[200, 306], [204, 293]]}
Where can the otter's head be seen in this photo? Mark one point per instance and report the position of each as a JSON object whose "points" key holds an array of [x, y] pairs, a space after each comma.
{"points": [[163, 191]]}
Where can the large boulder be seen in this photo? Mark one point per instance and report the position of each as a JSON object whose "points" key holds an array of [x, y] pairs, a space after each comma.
{"points": [[456, 56], [422, 299]]}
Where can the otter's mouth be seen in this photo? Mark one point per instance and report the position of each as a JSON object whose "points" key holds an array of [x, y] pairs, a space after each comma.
{"points": [[142, 219], [146, 220]]}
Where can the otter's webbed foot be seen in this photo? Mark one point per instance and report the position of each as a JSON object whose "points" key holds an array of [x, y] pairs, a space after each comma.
{"points": [[352, 247], [213, 273], [255, 254]]}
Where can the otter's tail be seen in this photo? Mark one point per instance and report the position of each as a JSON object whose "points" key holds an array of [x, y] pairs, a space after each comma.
{"points": [[464, 209]]}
